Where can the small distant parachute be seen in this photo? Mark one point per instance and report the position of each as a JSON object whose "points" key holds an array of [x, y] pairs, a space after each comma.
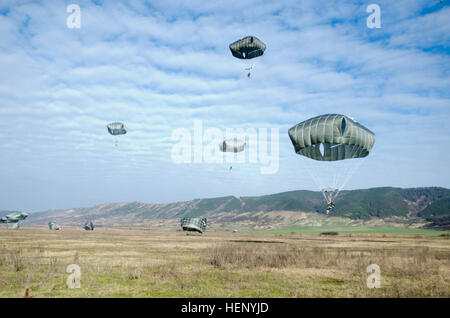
{"points": [[88, 226], [53, 226], [247, 48], [232, 145], [116, 129], [193, 224]]}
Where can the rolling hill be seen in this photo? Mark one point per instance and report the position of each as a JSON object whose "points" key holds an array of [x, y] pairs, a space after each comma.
{"points": [[424, 206]]}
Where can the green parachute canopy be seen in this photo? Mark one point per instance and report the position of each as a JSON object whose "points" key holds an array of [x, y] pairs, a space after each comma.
{"points": [[247, 48], [88, 226], [232, 145], [14, 217], [331, 137], [53, 226], [117, 128], [193, 224]]}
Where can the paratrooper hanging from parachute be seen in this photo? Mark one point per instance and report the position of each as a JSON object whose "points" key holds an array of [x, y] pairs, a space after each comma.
{"points": [[247, 48], [116, 129], [328, 139], [234, 145]]}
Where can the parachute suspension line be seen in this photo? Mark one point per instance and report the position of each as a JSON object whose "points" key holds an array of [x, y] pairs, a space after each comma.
{"points": [[329, 194], [351, 171], [248, 66], [331, 178]]}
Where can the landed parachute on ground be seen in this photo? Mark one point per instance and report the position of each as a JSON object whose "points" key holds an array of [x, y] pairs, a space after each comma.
{"points": [[53, 226], [88, 226], [332, 138], [116, 129], [247, 48], [14, 218], [193, 224]]}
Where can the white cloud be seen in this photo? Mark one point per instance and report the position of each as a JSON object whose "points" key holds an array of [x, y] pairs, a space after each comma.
{"points": [[159, 66]]}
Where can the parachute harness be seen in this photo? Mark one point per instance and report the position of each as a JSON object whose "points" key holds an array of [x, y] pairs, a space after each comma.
{"points": [[331, 177]]}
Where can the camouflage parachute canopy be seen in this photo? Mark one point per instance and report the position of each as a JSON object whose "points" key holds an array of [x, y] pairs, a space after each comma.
{"points": [[247, 48], [331, 137], [53, 226], [193, 224], [88, 226], [232, 145], [117, 128]]}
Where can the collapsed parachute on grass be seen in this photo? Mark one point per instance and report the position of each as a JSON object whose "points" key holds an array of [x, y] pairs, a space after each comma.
{"points": [[247, 48], [331, 137], [88, 226], [53, 226], [14, 218], [232, 145], [193, 224]]}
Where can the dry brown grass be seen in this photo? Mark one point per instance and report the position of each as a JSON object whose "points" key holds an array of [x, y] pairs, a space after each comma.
{"points": [[162, 263]]}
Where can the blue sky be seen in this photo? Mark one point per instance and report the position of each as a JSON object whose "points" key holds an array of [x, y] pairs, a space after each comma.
{"points": [[161, 65]]}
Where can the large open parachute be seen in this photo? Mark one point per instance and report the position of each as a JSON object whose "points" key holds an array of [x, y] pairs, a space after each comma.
{"points": [[193, 224], [330, 141], [247, 48], [340, 136]]}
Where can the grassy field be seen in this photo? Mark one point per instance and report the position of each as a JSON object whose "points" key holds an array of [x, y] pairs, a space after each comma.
{"points": [[381, 229], [166, 263]]}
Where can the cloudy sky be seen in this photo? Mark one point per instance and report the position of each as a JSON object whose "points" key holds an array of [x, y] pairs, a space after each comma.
{"points": [[163, 66]]}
